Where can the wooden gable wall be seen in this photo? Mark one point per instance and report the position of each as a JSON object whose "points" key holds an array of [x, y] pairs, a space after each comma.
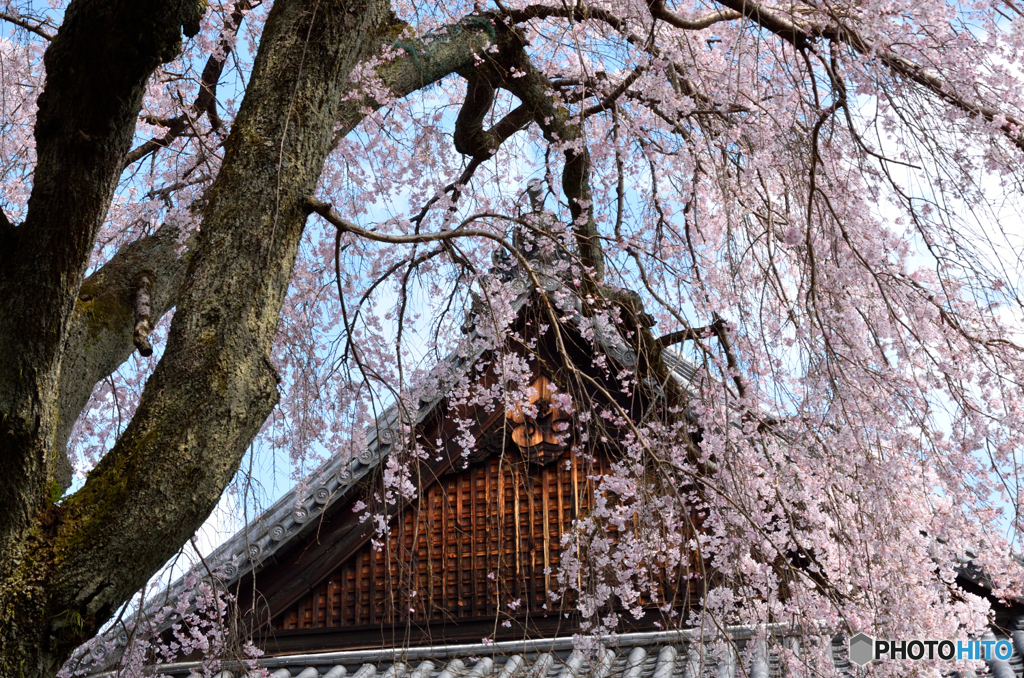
{"points": [[476, 542], [482, 545]]}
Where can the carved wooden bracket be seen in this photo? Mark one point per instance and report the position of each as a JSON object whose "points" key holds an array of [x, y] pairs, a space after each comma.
{"points": [[536, 435]]}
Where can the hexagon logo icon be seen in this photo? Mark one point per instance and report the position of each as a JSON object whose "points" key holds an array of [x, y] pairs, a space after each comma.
{"points": [[862, 649]]}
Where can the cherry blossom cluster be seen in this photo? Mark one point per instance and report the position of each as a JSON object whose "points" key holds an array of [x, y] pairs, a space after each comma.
{"points": [[820, 202]]}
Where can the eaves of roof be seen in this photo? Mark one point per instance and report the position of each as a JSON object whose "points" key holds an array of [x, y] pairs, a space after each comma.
{"points": [[741, 651]]}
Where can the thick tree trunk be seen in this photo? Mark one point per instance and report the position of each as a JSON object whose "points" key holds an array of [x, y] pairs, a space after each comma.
{"points": [[69, 566], [97, 67]]}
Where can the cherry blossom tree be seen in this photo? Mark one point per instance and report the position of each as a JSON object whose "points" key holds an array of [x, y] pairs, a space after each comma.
{"points": [[815, 201]]}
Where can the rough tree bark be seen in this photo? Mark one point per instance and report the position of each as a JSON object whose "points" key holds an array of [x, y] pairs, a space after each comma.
{"points": [[66, 567], [97, 67]]}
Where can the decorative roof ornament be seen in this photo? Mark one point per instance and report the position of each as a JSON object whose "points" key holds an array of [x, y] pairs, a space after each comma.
{"points": [[537, 434], [535, 191], [367, 456]]}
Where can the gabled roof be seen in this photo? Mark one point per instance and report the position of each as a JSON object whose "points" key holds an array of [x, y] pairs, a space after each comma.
{"points": [[293, 517]]}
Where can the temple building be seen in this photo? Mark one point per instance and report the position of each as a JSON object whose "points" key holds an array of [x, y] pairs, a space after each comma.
{"points": [[465, 583]]}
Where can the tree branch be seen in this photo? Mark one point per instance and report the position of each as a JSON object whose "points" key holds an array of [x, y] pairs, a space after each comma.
{"points": [[100, 337], [608, 101], [215, 385], [577, 12], [690, 334], [426, 61], [470, 137], [206, 100], [533, 88], [721, 330], [659, 11], [502, 130], [30, 26], [327, 211], [801, 34], [140, 335]]}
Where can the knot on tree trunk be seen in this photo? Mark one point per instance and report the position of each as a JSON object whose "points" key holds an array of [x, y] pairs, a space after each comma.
{"points": [[143, 292]]}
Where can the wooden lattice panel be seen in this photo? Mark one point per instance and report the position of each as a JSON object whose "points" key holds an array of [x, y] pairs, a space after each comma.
{"points": [[475, 543]]}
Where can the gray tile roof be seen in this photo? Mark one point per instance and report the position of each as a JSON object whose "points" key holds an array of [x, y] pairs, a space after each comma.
{"points": [[669, 654]]}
